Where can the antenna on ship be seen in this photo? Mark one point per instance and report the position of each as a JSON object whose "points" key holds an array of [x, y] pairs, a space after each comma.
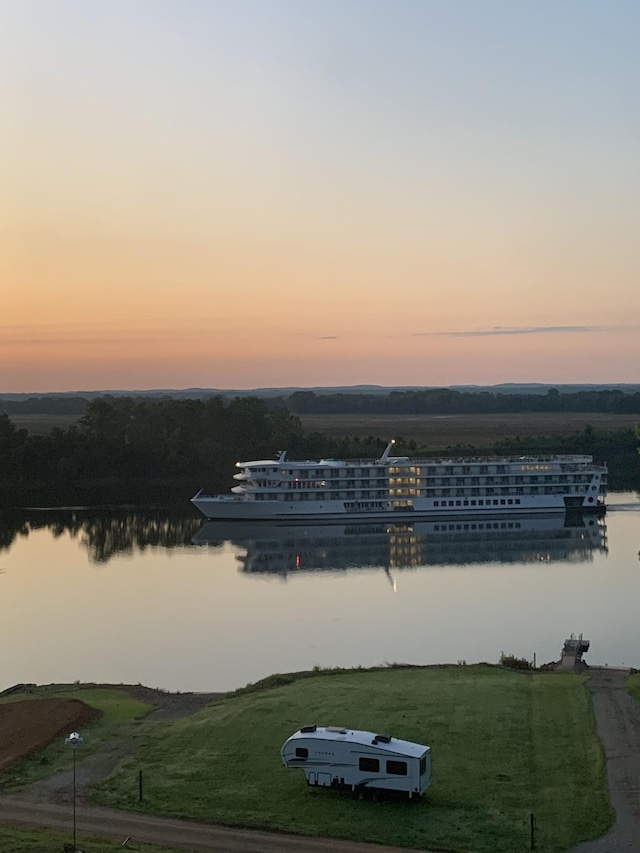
{"points": [[387, 451]]}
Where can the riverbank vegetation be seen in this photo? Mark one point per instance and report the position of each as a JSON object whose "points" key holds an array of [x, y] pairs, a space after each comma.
{"points": [[505, 745], [633, 683], [155, 451]]}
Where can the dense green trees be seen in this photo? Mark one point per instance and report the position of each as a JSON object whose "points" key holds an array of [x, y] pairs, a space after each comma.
{"points": [[150, 450], [123, 443]]}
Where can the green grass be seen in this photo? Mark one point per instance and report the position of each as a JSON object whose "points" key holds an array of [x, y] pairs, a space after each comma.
{"points": [[120, 718], [505, 745], [43, 841], [633, 685]]}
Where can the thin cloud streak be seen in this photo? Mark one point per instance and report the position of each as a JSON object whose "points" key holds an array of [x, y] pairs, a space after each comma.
{"points": [[522, 330]]}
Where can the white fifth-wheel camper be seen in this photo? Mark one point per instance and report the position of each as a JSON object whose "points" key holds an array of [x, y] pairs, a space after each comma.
{"points": [[344, 758]]}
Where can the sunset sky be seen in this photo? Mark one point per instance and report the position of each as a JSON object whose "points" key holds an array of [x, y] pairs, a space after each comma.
{"points": [[250, 193]]}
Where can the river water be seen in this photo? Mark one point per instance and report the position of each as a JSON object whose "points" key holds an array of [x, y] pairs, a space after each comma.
{"points": [[177, 603]]}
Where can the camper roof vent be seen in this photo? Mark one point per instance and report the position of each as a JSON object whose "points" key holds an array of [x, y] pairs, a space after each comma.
{"points": [[338, 730], [382, 739], [308, 728]]}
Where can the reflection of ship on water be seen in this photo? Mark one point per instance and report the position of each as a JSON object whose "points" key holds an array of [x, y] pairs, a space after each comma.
{"points": [[283, 549]]}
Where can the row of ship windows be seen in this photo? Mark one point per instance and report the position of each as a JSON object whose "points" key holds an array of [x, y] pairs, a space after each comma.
{"points": [[409, 493], [517, 490], [394, 470], [475, 481], [495, 525], [481, 502], [413, 481], [468, 502]]}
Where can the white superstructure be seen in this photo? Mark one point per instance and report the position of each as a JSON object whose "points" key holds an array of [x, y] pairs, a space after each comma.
{"points": [[400, 487]]}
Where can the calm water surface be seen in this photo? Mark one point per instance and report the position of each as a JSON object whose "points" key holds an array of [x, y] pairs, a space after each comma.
{"points": [[177, 603]]}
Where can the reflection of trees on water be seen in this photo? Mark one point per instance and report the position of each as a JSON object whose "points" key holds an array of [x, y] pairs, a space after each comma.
{"points": [[10, 528], [107, 534]]}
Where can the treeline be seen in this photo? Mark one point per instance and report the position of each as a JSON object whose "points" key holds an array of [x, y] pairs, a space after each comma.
{"points": [[444, 401], [432, 401], [45, 406], [152, 451], [122, 443]]}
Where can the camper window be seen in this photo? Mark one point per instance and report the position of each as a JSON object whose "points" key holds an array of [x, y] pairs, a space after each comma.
{"points": [[301, 752], [372, 765], [423, 765], [397, 768]]}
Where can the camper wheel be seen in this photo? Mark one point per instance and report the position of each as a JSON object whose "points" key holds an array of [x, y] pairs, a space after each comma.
{"points": [[365, 793]]}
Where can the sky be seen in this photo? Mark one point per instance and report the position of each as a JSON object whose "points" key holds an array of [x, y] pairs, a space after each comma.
{"points": [[267, 193]]}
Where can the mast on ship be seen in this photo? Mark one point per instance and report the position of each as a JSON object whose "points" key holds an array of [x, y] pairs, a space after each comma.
{"points": [[387, 451]]}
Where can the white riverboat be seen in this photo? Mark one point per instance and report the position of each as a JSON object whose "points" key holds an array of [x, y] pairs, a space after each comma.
{"points": [[397, 487]]}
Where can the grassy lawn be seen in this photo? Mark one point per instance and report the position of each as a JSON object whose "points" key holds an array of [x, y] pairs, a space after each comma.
{"points": [[505, 745], [121, 716], [633, 683], [43, 841]]}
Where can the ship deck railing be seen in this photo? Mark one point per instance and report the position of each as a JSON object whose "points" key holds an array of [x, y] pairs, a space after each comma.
{"points": [[223, 498], [575, 458]]}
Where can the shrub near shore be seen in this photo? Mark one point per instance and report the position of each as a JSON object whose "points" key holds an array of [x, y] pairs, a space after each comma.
{"points": [[505, 745], [633, 683]]}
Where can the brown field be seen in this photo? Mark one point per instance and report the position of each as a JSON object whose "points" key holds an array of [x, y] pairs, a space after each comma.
{"points": [[42, 424], [436, 431], [439, 431], [32, 724]]}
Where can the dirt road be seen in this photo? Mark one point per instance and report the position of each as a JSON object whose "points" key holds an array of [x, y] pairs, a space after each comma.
{"points": [[618, 722], [182, 835]]}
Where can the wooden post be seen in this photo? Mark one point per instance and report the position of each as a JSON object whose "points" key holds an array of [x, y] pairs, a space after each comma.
{"points": [[532, 821], [74, 802]]}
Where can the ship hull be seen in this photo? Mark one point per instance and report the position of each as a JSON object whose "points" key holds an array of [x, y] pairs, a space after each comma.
{"points": [[227, 509]]}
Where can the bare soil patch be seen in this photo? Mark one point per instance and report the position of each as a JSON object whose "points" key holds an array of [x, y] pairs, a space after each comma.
{"points": [[100, 763], [440, 431], [171, 706], [32, 724]]}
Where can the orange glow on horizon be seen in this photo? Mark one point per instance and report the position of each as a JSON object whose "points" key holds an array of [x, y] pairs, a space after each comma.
{"points": [[285, 198]]}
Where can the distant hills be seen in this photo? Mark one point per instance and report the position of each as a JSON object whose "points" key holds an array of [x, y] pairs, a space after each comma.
{"points": [[197, 393]]}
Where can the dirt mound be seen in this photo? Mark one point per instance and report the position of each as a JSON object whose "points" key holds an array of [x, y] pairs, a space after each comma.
{"points": [[32, 724]]}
